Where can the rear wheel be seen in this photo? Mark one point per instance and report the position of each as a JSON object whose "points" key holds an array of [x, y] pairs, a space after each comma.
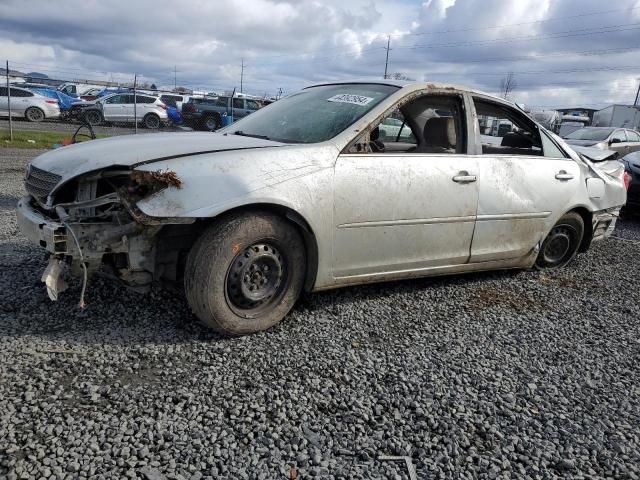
{"points": [[211, 122], [245, 273], [152, 121], [93, 117], [34, 114], [562, 242]]}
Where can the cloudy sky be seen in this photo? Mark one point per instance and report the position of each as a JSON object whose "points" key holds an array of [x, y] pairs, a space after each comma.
{"points": [[562, 52]]}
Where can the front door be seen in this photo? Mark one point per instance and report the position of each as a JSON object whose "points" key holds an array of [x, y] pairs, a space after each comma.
{"points": [[407, 206], [113, 108]]}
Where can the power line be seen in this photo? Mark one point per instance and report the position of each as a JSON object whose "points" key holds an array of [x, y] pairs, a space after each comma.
{"points": [[554, 35], [476, 29]]}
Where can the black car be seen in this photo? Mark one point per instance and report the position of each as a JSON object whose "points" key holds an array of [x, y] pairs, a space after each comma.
{"points": [[206, 113]]}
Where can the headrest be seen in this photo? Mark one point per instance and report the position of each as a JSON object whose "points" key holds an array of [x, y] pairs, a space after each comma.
{"points": [[514, 140], [440, 131]]}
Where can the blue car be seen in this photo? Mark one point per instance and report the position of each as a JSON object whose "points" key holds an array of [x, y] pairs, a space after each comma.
{"points": [[64, 101]]}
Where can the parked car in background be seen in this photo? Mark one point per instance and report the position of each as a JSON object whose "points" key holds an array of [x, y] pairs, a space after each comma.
{"points": [[175, 100], [393, 130], [119, 107], [295, 197], [92, 93], [76, 90], [620, 140], [65, 102], [206, 113], [24, 103]]}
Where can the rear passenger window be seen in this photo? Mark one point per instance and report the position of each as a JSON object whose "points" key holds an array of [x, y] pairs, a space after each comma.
{"points": [[619, 135], [633, 136], [238, 103], [15, 92], [505, 131]]}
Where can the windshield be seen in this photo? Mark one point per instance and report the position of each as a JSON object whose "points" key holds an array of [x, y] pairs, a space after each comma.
{"points": [[313, 115], [590, 134]]}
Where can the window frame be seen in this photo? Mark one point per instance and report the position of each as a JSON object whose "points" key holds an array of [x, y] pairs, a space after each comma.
{"points": [[525, 119], [460, 96], [617, 130], [636, 134]]}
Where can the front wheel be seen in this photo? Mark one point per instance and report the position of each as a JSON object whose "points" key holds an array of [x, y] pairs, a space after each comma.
{"points": [[245, 273], [562, 242]]}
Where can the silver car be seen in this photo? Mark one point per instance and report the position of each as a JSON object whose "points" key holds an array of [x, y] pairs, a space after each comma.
{"points": [[127, 108], [26, 104], [304, 195], [621, 140]]}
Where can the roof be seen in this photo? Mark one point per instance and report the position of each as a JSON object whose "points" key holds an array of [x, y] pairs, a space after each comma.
{"points": [[410, 85]]}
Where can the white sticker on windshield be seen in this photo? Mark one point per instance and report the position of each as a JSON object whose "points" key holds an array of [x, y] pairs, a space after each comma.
{"points": [[350, 98]]}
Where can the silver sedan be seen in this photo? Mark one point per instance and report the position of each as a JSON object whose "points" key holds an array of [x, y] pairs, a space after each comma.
{"points": [[306, 194]]}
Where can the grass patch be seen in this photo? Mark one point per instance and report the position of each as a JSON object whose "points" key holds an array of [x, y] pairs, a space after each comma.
{"points": [[33, 139]]}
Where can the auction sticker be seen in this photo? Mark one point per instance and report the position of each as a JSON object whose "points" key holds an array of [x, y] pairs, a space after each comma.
{"points": [[350, 98]]}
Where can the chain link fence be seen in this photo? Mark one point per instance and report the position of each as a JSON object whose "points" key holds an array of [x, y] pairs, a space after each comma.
{"points": [[50, 111]]}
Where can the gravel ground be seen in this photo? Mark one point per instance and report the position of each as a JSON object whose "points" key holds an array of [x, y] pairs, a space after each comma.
{"points": [[500, 375]]}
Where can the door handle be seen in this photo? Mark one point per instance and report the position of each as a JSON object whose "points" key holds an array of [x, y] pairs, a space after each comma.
{"points": [[563, 175], [464, 177]]}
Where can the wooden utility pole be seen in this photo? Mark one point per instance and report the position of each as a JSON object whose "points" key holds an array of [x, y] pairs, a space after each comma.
{"points": [[635, 102], [386, 62], [242, 76]]}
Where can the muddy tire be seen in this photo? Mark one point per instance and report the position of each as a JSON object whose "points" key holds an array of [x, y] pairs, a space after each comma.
{"points": [[562, 243], [245, 272], [34, 114], [151, 121]]}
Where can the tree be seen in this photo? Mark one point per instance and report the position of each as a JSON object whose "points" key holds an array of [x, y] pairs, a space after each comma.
{"points": [[153, 86], [508, 84], [399, 76]]}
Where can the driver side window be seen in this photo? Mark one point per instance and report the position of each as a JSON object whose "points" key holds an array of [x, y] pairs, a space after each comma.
{"points": [[431, 124]]}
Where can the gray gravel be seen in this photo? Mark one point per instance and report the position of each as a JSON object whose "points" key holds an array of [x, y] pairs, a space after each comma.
{"points": [[501, 375]]}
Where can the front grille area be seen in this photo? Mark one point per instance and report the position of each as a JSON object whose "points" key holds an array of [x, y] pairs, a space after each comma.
{"points": [[39, 183]]}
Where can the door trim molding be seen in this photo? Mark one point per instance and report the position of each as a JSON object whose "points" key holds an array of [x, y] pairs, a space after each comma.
{"points": [[414, 221], [513, 216]]}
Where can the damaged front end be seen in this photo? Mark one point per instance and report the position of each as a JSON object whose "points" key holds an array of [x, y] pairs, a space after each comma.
{"points": [[92, 223]]}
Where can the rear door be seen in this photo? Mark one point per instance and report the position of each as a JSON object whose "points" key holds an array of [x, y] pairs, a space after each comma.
{"points": [[526, 183], [239, 110], [633, 141], [4, 101], [618, 142]]}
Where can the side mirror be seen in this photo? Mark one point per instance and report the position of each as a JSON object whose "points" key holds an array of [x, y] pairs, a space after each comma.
{"points": [[614, 140]]}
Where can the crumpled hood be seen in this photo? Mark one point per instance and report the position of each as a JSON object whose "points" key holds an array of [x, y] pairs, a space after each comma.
{"points": [[130, 150], [594, 154], [581, 143]]}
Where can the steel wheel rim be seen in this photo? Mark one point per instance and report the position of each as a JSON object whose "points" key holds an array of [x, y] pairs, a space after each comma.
{"points": [[35, 115], [152, 122], [558, 244], [256, 279], [210, 123]]}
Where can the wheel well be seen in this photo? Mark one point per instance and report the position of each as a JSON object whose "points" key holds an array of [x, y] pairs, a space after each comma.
{"points": [[175, 241], [587, 218]]}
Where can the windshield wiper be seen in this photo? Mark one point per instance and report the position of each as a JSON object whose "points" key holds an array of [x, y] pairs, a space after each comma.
{"points": [[240, 132]]}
